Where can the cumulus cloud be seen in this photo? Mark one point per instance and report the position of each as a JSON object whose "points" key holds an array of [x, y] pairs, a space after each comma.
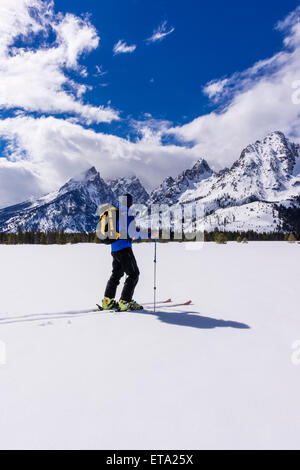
{"points": [[160, 33], [18, 182], [252, 103], [16, 19], [35, 77], [214, 88], [150, 130], [55, 149], [121, 47]]}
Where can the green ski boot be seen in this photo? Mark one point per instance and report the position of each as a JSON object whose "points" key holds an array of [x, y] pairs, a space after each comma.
{"points": [[109, 304], [125, 306]]}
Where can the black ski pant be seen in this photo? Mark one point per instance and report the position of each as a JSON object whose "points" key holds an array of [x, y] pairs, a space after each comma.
{"points": [[124, 262]]}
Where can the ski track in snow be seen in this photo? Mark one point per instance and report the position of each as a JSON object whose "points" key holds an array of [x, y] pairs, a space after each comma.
{"points": [[7, 319]]}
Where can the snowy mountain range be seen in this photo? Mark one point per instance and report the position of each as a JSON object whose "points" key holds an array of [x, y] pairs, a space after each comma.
{"points": [[256, 192], [260, 192], [72, 208], [170, 191]]}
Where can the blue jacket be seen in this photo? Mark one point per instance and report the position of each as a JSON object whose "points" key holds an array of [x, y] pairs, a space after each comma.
{"points": [[124, 243]]}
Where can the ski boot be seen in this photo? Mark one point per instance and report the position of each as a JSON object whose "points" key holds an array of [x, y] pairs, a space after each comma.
{"points": [[109, 304], [125, 306]]}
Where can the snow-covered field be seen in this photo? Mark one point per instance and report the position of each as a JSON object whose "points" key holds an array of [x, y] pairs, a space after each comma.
{"points": [[216, 374]]}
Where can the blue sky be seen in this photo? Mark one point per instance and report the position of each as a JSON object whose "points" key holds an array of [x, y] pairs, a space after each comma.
{"points": [[140, 86], [211, 40]]}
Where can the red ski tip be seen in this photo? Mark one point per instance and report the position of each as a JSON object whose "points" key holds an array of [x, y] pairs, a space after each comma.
{"points": [[167, 301], [188, 302]]}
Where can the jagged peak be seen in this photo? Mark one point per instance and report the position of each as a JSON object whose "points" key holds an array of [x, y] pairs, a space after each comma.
{"points": [[129, 184], [82, 178], [274, 154], [90, 173], [273, 139], [275, 135], [199, 170], [201, 165], [171, 188], [86, 175]]}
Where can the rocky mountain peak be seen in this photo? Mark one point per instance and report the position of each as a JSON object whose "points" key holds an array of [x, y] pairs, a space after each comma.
{"points": [[129, 184], [85, 179], [90, 173], [272, 160], [201, 166], [171, 189]]}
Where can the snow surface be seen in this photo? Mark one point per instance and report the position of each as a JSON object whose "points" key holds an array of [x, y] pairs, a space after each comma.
{"points": [[216, 374], [258, 216]]}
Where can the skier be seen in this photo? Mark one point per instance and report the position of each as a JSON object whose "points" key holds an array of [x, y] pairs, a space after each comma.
{"points": [[124, 262]]}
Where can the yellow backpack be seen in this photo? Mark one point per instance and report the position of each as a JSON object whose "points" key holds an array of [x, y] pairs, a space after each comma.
{"points": [[107, 227]]}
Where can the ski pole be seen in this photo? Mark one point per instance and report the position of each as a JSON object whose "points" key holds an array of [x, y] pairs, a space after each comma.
{"points": [[154, 288]]}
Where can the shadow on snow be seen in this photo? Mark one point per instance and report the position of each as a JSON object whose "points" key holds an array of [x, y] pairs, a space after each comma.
{"points": [[195, 320]]}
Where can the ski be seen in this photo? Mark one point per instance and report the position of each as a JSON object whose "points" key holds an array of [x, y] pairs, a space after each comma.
{"points": [[149, 304], [158, 302], [182, 304]]}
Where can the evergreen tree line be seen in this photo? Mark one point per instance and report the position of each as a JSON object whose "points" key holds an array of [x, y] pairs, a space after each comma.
{"points": [[59, 237], [55, 237]]}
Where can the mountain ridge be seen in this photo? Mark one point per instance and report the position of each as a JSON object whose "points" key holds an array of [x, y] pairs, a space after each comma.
{"points": [[262, 183]]}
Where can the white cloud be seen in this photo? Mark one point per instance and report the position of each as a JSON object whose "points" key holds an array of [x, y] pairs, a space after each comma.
{"points": [[16, 20], [121, 47], [52, 150], [214, 88], [36, 78], [99, 71], [75, 36], [252, 103], [18, 182], [160, 33], [150, 130]]}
